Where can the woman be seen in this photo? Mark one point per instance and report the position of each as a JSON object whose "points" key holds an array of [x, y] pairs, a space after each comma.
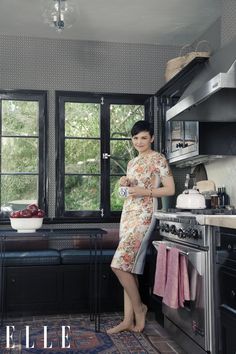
{"points": [[145, 173]]}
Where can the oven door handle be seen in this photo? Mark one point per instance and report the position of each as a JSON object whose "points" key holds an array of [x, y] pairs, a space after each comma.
{"points": [[157, 243], [194, 256]]}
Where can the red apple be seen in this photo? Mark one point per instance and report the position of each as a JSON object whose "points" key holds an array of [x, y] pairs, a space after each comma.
{"points": [[25, 213], [40, 213], [33, 208], [15, 214]]}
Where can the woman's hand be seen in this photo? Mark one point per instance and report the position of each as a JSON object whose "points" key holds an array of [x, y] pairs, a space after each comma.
{"points": [[138, 192], [124, 181]]}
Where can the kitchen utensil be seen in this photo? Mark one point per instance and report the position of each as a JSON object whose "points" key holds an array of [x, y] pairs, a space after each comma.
{"points": [[191, 199], [206, 186]]}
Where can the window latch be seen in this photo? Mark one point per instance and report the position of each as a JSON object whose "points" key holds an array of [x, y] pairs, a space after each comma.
{"points": [[105, 156], [102, 212]]}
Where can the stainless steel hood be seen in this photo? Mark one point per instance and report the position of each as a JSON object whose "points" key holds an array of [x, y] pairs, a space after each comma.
{"points": [[213, 101]]}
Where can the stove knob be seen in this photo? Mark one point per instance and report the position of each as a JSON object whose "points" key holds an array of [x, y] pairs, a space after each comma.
{"points": [[180, 233], [162, 227], [189, 233], [173, 229], [195, 234], [166, 228]]}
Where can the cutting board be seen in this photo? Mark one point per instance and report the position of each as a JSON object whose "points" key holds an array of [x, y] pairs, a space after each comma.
{"points": [[206, 186]]}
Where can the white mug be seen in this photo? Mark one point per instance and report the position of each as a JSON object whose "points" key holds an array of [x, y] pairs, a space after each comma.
{"points": [[124, 192]]}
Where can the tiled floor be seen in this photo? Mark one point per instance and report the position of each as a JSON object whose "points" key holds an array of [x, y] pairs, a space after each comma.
{"points": [[160, 338]]}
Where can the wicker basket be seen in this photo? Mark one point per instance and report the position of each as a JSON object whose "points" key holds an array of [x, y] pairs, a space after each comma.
{"points": [[175, 65]]}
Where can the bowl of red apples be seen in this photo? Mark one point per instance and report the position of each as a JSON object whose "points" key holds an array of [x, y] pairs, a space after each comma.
{"points": [[27, 220]]}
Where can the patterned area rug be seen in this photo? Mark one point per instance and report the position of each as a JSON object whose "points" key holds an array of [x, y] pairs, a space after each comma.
{"points": [[81, 337]]}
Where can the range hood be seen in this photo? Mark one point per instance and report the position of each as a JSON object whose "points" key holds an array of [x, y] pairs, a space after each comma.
{"points": [[213, 101]]}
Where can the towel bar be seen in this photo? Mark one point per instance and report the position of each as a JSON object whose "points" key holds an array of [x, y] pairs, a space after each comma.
{"points": [[157, 243]]}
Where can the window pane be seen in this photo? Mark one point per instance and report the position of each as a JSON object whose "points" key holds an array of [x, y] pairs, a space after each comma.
{"points": [[18, 190], [82, 193], [20, 117], [116, 201], [82, 119], [121, 152], [82, 156], [123, 118], [190, 129], [19, 155]]}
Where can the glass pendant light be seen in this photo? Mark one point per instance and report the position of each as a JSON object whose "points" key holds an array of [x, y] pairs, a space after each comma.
{"points": [[59, 14]]}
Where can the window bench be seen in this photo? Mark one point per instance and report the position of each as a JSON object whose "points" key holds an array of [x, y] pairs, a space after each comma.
{"points": [[53, 272]]}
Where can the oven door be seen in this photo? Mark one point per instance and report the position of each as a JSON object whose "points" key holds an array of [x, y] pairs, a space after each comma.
{"points": [[193, 318]]}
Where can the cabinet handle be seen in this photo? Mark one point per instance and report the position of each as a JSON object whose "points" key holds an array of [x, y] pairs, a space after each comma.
{"points": [[180, 145], [229, 247], [232, 294]]}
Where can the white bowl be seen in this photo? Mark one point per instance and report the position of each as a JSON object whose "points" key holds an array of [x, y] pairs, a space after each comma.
{"points": [[26, 224]]}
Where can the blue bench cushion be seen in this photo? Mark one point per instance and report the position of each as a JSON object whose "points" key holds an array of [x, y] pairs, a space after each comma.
{"points": [[77, 256], [20, 258]]}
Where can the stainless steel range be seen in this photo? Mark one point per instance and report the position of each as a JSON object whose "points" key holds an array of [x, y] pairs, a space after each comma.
{"points": [[193, 326]]}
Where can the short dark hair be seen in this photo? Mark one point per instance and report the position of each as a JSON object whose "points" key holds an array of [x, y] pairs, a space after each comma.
{"points": [[142, 126]]}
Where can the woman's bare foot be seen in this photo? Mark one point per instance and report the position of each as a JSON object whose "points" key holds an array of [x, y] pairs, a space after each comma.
{"points": [[123, 326], [140, 319]]}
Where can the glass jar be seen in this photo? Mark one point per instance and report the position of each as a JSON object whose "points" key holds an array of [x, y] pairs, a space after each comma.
{"points": [[214, 201]]}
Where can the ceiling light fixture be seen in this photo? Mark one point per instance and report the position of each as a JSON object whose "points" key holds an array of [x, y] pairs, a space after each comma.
{"points": [[59, 14]]}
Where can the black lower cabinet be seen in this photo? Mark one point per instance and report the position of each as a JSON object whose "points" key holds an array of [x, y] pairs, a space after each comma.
{"points": [[228, 326], [75, 288], [58, 289], [32, 288], [111, 291]]}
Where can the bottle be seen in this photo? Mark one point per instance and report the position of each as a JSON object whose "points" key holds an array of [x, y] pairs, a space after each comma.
{"points": [[224, 197], [219, 193], [187, 179]]}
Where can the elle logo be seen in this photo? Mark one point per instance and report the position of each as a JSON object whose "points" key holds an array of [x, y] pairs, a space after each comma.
{"points": [[10, 343]]}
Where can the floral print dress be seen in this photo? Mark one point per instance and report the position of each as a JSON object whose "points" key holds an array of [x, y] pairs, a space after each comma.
{"points": [[137, 220]]}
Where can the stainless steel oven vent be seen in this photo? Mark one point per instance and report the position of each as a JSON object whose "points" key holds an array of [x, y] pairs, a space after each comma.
{"points": [[213, 101]]}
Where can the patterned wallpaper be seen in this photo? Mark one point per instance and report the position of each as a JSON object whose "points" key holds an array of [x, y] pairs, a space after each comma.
{"points": [[212, 35], [46, 64], [228, 23], [40, 63]]}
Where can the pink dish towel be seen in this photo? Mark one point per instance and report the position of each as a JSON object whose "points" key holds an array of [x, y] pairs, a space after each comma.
{"points": [[161, 269], [171, 295], [184, 288]]}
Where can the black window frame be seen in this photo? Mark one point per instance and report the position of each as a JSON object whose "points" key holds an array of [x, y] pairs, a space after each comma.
{"points": [[105, 100], [41, 97]]}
